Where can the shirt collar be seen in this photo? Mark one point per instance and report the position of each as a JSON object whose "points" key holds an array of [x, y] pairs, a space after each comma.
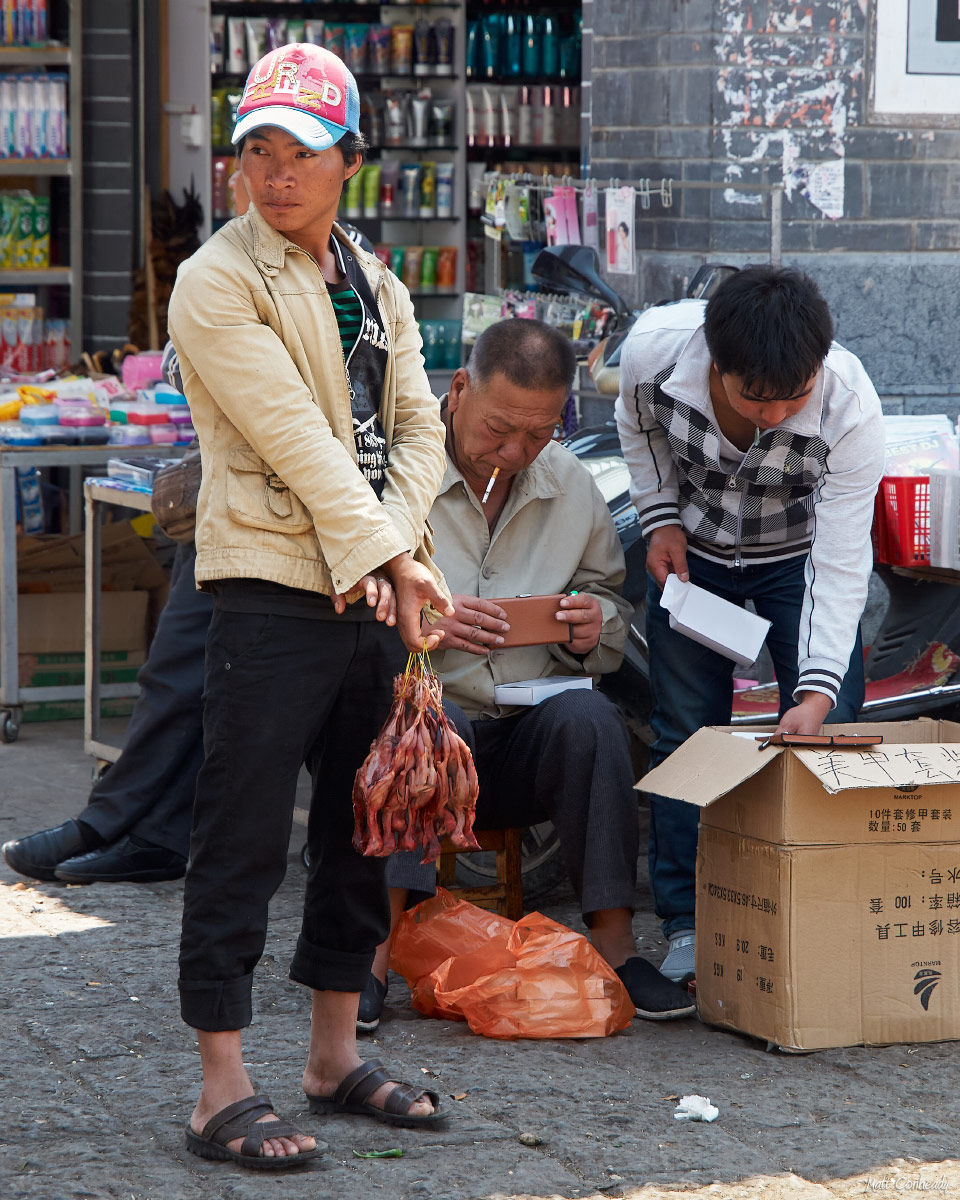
{"points": [[689, 382]]}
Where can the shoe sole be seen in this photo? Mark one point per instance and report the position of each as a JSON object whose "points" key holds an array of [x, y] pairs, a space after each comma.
{"points": [[146, 877], [673, 1014], [367, 1026]]}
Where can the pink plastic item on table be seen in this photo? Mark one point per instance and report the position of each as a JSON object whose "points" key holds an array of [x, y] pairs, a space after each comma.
{"points": [[147, 414], [81, 414], [140, 370], [164, 433]]}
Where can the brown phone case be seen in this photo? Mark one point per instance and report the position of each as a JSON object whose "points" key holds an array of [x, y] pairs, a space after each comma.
{"points": [[533, 620]]}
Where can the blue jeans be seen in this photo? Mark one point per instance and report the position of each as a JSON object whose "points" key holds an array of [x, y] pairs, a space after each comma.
{"points": [[693, 686]]}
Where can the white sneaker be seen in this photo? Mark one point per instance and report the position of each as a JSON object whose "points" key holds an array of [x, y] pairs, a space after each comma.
{"points": [[679, 965]]}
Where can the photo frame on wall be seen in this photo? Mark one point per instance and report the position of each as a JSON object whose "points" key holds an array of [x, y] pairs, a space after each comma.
{"points": [[915, 62]]}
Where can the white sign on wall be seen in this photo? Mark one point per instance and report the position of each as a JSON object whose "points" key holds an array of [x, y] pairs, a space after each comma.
{"points": [[916, 59]]}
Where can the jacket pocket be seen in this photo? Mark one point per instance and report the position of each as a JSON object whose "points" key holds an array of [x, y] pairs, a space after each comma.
{"points": [[258, 497]]}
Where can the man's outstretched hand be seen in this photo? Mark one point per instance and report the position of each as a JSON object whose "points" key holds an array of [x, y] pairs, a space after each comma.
{"points": [[667, 554], [415, 588], [807, 716]]}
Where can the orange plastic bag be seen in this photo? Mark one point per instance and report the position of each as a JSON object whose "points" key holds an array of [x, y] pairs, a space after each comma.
{"points": [[532, 978]]}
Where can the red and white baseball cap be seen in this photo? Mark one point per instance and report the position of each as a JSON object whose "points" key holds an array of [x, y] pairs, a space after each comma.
{"points": [[303, 89]]}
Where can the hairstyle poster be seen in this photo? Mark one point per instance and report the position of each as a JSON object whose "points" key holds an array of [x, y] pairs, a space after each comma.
{"points": [[620, 215]]}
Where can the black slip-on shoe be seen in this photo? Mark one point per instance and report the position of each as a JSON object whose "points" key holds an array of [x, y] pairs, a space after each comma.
{"points": [[655, 997], [123, 861], [39, 854], [371, 1004]]}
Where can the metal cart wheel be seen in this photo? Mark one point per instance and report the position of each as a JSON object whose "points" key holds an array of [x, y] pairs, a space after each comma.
{"points": [[9, 726], [305, 857]]}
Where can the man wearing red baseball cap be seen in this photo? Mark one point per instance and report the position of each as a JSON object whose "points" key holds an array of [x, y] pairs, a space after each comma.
{"points": [[322, 452]]}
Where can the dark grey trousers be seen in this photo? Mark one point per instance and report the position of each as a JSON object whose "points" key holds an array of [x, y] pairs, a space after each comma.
{"points": [[566, 760]]}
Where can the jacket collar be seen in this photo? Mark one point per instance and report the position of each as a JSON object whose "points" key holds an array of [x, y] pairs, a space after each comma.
{"points": [[270, 248], [689, 383], [539, 481]]}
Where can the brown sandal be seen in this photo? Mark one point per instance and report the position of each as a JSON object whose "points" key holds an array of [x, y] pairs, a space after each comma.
{"points": [[352, 1096], [242, 1119]]}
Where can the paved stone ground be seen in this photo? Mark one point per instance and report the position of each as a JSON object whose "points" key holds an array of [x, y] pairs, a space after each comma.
{"points": [[98, 1075]]}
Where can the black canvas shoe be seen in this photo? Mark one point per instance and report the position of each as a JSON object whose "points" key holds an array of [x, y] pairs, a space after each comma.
{"points": [[371, 1004], [655, 997]]}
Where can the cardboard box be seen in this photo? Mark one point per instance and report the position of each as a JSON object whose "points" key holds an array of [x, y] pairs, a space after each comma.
{"points": [[828, 884], [53, 623], [714, 622]]}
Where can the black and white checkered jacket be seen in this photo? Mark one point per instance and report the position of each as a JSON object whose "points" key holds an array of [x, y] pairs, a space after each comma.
{"points": [[806, 487]]}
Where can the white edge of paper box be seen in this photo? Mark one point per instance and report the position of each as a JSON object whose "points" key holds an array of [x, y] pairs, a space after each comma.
{"points": [[531, 691], [705, 618]]}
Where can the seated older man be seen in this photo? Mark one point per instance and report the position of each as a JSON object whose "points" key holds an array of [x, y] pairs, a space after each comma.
{"points": [[543, 528]]}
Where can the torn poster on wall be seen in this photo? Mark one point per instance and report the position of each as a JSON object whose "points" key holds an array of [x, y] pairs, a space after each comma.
{"points": [[789, 98]]}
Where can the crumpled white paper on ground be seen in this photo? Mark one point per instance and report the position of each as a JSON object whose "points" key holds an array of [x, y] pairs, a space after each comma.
{"points": [[696, 1108]]}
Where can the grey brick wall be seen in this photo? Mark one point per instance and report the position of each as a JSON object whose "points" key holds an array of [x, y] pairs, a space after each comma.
{"points": [[768, 90], [111, 209]]}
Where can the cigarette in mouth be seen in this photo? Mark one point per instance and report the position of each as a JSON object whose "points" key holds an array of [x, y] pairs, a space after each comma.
{"points": [[489, 488]]}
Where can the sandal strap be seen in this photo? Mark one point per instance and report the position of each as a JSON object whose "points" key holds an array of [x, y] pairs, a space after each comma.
{"points": [[262, 1132], [361, 1083], [252, 1107], [404, 1097]]}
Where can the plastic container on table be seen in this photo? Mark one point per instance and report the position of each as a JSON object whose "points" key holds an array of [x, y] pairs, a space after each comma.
{"points": [[163, 393], [147, 414], [141, 370], [91, 435], [119, 410], [167, 434], [136, 470], [81, 414], [901, 524], [40, 414], [14, 433], [185, 435], [59, 435], [129, 435], [180, 415]]}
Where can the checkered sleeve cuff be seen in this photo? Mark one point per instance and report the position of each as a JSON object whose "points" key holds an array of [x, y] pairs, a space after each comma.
{"points": [[655, 516], [818, 679]]}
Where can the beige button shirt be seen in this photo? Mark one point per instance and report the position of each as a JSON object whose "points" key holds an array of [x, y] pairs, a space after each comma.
{"points": [[555, 534]]}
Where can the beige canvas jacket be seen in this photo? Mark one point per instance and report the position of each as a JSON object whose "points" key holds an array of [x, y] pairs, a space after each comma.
{"points": [[263, 371], [555, 534]]}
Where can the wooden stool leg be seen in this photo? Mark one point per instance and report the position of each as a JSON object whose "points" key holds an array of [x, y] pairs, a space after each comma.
{"points": [[513, 874]]}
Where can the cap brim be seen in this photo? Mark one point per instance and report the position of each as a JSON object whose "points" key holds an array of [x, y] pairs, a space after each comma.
{"points": [[313, 132]]}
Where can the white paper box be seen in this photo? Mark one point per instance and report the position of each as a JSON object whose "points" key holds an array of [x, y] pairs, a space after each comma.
{"points": [[715, 623], [532, 691]]}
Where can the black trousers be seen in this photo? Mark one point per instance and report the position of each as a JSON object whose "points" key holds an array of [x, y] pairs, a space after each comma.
{"points": [[281, 691], [149, 790], [566, 760]]}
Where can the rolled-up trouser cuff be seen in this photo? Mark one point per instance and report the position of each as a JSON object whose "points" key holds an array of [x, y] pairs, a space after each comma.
{"points": [[215, 1005], [327, 970]]}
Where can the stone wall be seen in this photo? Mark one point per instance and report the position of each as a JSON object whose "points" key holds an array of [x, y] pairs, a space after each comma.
{"points": [[758, 91]]}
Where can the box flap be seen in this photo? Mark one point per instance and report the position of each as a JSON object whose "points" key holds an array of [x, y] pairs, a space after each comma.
{"points": [[902, 767], [707, 766]]}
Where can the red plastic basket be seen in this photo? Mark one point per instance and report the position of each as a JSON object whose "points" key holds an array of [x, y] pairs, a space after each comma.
{"points": [[901, 524]]}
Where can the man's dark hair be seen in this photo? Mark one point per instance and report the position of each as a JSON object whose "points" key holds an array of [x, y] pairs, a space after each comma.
{"points": [[530, 354], [772, 327], [351, 144]]}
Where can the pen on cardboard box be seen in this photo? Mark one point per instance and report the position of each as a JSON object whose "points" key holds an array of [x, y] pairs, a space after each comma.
{"points": [[489, 487]]}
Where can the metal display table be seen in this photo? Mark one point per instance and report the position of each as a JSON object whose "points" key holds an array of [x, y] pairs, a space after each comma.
{"points": [[12, 696]]}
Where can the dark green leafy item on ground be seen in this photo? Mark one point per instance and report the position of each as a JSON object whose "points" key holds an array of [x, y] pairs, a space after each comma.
{"points": [[395, 1153]]}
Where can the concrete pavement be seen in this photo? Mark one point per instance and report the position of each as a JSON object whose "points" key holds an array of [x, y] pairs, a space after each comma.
{"points": [[98, 1074]]}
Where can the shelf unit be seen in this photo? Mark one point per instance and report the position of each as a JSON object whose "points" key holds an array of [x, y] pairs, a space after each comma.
{"points": [[190, 81], [27, 171]]}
